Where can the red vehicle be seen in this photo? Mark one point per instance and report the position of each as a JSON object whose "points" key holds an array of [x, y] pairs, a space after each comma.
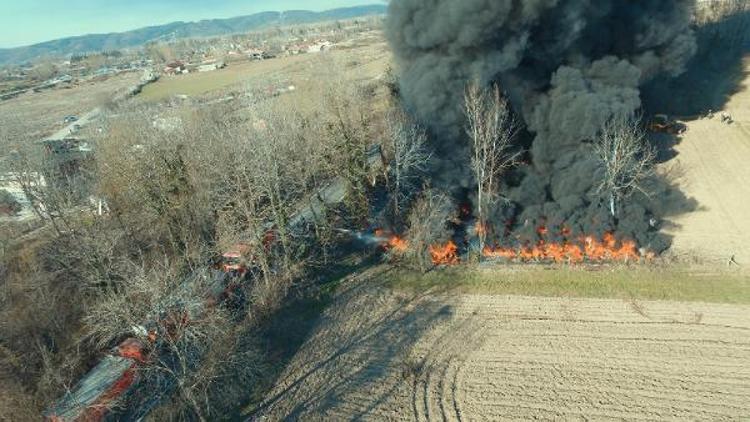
{"points": [[99, 390], [116, 375], [661, 123], [238, 259], [234, 260]]}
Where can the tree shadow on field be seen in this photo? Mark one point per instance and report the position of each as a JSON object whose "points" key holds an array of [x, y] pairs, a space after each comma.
{"points": [[355, 357]]}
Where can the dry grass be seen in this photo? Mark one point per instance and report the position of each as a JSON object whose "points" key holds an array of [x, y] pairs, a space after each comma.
{"points": [[32, 116], [196, 84], [618, 282], [365, 61]]}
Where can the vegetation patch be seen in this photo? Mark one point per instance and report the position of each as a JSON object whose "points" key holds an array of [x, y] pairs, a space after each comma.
{"points": [[610, 281]]}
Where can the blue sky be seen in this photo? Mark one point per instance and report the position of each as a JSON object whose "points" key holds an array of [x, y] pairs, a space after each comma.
{"points": [[24, 22]]}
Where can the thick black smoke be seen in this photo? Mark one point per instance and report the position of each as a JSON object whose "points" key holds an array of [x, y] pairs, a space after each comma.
{"points": [[567, 66]]}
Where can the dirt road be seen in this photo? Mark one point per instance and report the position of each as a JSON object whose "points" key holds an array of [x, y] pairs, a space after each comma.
{"points": [[383, 355], [714, 162]]}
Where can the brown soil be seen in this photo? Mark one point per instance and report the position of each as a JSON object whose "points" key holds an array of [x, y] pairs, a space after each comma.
{"points": [[713, 162], [384, 355]]}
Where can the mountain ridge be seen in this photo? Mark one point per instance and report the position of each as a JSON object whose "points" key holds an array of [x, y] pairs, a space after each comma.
{"points": [[91, 43]]}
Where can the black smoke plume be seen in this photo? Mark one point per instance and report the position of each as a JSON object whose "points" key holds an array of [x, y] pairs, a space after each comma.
{"points": [[567, 66]]}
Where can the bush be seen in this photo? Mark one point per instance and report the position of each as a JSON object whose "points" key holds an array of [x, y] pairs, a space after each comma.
{"points": [[8, 203], [428, 225]]}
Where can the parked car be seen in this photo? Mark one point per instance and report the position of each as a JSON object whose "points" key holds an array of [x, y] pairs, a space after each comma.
{"points": [[70, 119]]}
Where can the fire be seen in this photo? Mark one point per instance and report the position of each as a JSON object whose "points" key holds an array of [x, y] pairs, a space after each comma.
{"points": [[392, 241], [446, 254], [398, 244], [587, 248]]}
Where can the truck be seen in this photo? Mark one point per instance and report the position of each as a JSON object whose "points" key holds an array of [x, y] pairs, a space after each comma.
{"points": [[100, 390], [662, 123]]}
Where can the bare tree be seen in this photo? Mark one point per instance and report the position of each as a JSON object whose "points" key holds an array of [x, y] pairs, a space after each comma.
{"points": [[726, 22], [428, 226], [408, 161], [43, 71], [185, 331], [626, 159], [348, 122], [181, 195], [492, 127]]}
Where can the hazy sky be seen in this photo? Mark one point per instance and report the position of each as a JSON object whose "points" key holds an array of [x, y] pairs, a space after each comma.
{"points": [[24, 22]]}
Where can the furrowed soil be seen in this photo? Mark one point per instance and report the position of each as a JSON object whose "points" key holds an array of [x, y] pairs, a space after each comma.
{"points": [[713, 167], [381, 354]]}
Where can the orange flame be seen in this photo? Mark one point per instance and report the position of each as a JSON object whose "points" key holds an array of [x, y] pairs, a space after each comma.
{"points": [[587, 248], [446, 254], [398, 244], [392, 241]]}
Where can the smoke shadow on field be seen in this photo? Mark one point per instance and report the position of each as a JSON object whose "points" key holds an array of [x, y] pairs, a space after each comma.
{"points": [[711, 78], [352, 361], [664, 145]]}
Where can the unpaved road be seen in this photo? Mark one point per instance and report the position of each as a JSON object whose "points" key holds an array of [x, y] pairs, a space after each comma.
{"points": [[714, 165], [384, 355]]}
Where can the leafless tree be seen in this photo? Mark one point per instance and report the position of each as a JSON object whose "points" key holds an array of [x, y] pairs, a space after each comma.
{"points": [[160, 52], [348, 122], [726, 22], [43, 70], [189, 347], [177, 197], [626, 158], [427, 226], [409, 159], [491, 127], [51, 194]]}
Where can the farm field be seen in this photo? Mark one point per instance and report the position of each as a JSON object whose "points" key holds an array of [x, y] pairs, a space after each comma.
{"points": [[35, 115], [712, 164], [365, 58], [383, 354]]}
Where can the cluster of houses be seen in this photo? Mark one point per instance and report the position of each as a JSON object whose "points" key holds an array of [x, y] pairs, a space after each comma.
{"points": [[179, 67], [306, 47], [68, 72], [263, 51], [318, 46]]}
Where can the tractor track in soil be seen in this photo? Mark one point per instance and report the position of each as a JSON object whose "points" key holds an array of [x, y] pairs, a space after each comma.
{"points": [[481, 357]]}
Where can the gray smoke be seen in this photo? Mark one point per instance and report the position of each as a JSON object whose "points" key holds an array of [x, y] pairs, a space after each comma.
{"points": [[567, 66]]}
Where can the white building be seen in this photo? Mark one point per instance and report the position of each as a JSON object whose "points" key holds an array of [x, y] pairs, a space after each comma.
{"points": [[320, 47], [209, 67]]}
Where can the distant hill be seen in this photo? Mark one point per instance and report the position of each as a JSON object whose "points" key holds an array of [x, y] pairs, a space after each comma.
{"points": [[176, 30]]}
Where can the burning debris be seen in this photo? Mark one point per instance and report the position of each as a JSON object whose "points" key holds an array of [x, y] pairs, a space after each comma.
{"points": [[440, 254], [572, 251], [446, 254], [392, 241], [567, 69]]}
